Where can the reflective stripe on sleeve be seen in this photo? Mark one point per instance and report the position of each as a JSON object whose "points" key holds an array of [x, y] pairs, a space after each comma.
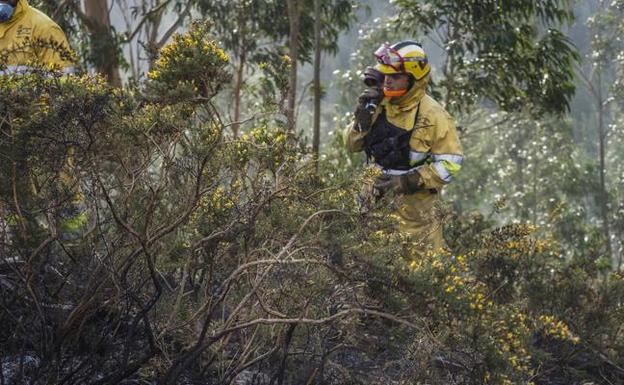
{"points": [[447, 165], [21, 70], [442, 172], [10, 70], [449, 158], [417, 157]]}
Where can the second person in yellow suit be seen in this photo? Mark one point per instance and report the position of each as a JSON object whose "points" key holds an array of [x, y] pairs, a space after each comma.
{"points": [[410, 137], [28, 36], [30, 39]]}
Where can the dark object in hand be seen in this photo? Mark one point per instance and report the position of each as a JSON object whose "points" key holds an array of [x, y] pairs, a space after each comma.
{"points": [[386, 183], [399, 184], [373, 78], [363, 112]]}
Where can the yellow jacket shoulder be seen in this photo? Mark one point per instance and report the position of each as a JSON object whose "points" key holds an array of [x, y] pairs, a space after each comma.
{"points": [[20, 36]]}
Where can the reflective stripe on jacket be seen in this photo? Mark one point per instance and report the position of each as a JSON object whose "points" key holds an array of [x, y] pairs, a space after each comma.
{"points": [[22, 70]]}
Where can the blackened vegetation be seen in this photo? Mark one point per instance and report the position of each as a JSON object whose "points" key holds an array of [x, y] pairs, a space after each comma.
{"points": [[217, 260]]}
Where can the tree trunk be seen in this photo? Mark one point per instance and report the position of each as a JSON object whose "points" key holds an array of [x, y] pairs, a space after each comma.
{"points": [[604, 197], [152, 46], [237, 89], [102, 42], [316, 137], [294, 13], [449, 68]]}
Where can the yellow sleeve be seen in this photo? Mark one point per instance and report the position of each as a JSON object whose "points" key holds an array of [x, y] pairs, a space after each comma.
{"points": [[446, 153], [61, 57], [354, 140]]}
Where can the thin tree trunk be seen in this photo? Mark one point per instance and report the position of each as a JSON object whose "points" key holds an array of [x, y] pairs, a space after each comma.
{"points": [[449, 68], [519, 161], [316, 137], [151, 30], [237, 90], [604, 197], [535, 177], [102, 43], [595, 91], [294, 13]]}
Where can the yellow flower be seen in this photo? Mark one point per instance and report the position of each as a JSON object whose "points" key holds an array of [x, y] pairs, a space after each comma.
{"points": [[557, 329]]}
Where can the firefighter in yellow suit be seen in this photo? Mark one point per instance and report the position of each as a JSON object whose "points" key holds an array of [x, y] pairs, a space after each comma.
{"points": [[29, 36], [410, 137]]}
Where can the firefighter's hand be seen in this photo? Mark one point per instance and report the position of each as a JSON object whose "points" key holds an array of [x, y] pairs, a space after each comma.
{"points": [[399, 184], [371, 94], [386, 183], [363, 115]]}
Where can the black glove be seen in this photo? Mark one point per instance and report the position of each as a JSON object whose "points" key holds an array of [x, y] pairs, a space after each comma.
{"points": [[399, 184], [385, 183], [367, 102]]}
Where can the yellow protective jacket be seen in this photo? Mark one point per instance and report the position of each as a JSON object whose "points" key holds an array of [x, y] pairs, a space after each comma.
{"points": [[434, 145], [30, 36], [435, 154]]}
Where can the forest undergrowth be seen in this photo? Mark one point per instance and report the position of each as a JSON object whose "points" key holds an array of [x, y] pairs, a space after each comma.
{"points": [[210, 259]]}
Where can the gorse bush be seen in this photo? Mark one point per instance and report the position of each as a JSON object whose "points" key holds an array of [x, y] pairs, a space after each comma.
{"points": [[193, 63], [216, 260]]}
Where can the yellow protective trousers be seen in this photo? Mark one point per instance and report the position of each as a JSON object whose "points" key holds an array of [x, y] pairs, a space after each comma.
{"points": [[420, 216]]}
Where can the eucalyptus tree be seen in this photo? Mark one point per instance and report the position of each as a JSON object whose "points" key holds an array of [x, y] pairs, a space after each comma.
{"points": [[260, 32], [334, 16], [90, 31], [533, 171], [241, 26], [147, 26], [603, 76], [506, 52]]}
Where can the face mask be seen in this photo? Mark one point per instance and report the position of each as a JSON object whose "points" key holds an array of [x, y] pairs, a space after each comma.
{"points": [[394, 93], [6, 12]]}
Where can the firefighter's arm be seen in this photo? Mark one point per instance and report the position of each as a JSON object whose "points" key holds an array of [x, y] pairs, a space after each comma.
{"points": [[446, 155], [363, 118], [353, 138], [59, 52]]}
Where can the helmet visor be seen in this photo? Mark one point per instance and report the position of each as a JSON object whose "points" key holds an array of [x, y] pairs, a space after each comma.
{"points": [[390, 57]]}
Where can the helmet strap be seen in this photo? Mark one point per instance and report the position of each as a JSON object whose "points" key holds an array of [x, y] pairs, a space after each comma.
{"points": [[411, 79]]}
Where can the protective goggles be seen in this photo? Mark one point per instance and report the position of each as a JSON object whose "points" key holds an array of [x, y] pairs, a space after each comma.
{"points": [[391, 57]]}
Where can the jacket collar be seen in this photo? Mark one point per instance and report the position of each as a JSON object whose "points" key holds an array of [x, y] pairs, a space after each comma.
{"points": [[407, 102], [20, 9]]}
